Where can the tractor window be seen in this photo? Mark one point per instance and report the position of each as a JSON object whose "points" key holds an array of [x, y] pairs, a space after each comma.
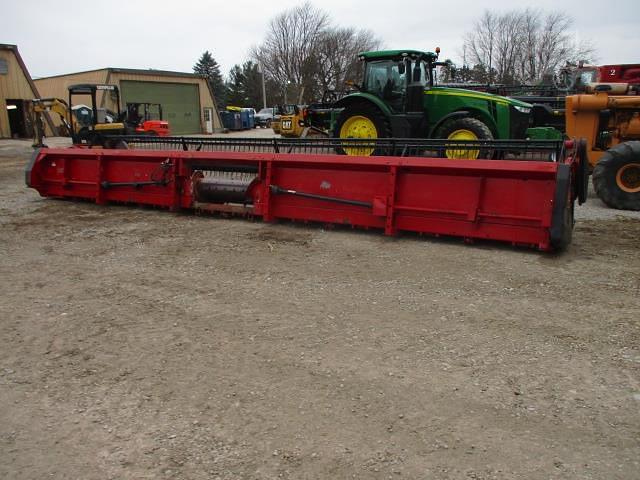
{"points": [[383, 79], [421, 78]]}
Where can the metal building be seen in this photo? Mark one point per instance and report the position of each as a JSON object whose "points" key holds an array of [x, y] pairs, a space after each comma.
{"points": [[186, 98], [16, 89]]}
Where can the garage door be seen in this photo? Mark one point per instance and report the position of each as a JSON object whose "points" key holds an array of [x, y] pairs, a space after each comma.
{"points": [[180, 102]]}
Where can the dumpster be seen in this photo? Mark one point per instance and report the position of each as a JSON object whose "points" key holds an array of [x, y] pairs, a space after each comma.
{"points": [[231, 120], [248, 119]]}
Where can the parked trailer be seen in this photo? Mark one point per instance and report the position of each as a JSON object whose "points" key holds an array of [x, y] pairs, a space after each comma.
{"points": [[523, 202]]}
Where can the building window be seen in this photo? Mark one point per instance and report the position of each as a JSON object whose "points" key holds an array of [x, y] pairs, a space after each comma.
{"points": [[4, 66]]}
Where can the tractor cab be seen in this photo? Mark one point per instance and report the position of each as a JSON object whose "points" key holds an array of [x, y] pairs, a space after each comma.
{"points": [[398, 77]]}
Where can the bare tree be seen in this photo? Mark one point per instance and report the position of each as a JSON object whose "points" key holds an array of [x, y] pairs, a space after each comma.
{"points": [[523, 45], [481, 42], [286, 52], [508, 46], [528, 65], [556, 46], [335, 58], [304, 53]]}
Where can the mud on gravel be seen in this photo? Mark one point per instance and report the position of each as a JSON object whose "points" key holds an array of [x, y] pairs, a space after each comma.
{"points": [[139, 344]]}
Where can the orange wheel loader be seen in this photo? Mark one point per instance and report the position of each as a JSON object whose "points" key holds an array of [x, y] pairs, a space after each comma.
{"points": [[609, 119]]}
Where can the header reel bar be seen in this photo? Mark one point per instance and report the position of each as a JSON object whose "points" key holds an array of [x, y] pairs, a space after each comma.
{"points": [[541, 150]]}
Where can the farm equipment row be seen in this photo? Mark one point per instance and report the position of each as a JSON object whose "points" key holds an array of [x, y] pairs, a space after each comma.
{"points": [[89, 124], [525, 198], [398, 97]]}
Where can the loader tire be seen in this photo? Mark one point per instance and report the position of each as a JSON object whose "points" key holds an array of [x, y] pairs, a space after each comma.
{"points": [[465, 129], [616, 177], [581, 181], [361, 121]]}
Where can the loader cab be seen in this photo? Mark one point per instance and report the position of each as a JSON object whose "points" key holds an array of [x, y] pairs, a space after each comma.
{"points": [[89, 121], [145, 119], [144, 112], [398, 78]]}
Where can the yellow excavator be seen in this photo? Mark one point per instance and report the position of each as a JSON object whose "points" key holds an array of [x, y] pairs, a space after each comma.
{"points": [[84, 124], [40, 106]]}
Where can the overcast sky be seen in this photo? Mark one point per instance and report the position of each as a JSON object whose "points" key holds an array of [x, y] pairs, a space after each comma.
{"points": [[56, 37]]}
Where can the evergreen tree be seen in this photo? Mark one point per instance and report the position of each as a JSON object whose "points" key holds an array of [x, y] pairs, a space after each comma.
{"points": [[209, 68], [244, 86], [236, 87], [463, 74], [252, 84], [479, 74]]}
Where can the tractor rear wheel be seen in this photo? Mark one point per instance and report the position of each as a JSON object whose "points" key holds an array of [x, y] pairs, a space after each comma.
{"points": [[616, 177], [465, 129], [361, 120]]}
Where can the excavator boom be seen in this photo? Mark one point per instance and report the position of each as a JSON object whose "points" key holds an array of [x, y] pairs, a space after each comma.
{"points": [[40, 106]]}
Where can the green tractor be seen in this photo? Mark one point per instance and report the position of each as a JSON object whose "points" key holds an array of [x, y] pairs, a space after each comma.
{"points": [[398, 98]]}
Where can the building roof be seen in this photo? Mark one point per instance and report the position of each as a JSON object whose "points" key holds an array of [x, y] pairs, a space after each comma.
{"points": [[25, 72], [23, 67], [135, 71]]}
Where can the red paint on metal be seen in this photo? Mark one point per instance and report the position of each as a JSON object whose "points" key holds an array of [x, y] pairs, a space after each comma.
{"points": [[159, 127], [504, 200]]}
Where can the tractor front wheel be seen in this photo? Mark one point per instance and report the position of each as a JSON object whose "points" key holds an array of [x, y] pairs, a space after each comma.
{"points": [[361, 121], [616, 177], [465, 129]]}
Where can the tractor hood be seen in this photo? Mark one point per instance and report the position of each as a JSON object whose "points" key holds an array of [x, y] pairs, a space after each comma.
{"points": [[461, 92]]}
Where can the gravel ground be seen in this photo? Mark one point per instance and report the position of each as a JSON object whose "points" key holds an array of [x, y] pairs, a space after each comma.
{"points": [[142, 344]]}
